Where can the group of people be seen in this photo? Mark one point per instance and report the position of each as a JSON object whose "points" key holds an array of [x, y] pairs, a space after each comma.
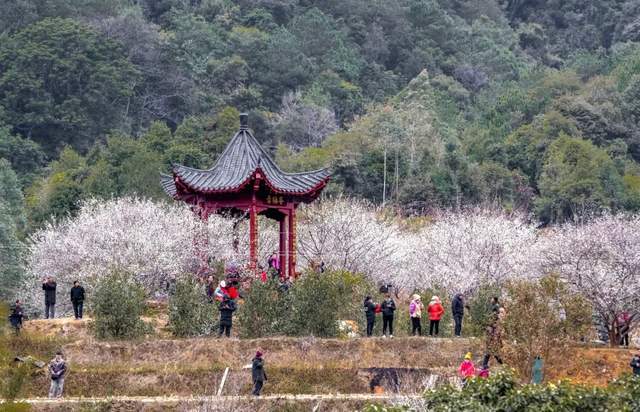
{"points": [[50, 287], [435, 311], [77, 296], [224, 294]]}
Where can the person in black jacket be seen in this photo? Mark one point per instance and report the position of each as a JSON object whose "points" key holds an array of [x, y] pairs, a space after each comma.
{"points": [[457, 309], [227, 307], [258, 374], [370, 312], [49, 287], [388, 307], [77, 299], [15, 318]]}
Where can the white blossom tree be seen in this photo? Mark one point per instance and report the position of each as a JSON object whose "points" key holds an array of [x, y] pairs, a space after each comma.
{"points": [[155, 241], [302, 124], [601, 260], [349, 235], [461, 250]]}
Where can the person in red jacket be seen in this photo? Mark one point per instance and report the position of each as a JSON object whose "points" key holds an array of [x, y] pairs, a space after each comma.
{"points": [[436, 311], [467, 370]]}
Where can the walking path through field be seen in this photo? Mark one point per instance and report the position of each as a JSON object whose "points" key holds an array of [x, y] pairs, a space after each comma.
{"points": [[218, 399]]}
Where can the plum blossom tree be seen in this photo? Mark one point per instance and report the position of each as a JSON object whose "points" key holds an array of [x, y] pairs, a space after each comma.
{"points": [[461, 250], [349, 235], [155, 241], [601, 260]]}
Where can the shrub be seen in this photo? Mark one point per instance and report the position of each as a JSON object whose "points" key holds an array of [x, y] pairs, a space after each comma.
{"points": [[501, 392], [265, 311], [542, 318], [190, 312], [118, 304], [319, 300], [479, 313], [312, 305]]}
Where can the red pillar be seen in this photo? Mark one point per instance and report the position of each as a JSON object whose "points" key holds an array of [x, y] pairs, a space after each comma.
{"points": [[292, 242], [282, 253], [253, 238]]}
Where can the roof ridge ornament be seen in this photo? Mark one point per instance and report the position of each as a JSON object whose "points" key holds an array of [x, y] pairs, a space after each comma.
{"points": [[244, 121]]}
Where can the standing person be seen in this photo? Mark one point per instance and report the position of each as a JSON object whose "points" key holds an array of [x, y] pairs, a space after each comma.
{"points": [[370, 313], [15, 318], [467, 370], [624, 322], [635, 364], [457, 309], [495, 309], [388, 307], [77, 299], [493, 345], [258, 373], [536, 371], [210, 288], [57, 371], [273, 264], [415, 312], [227, 307], [435, 314], [49, 287]]}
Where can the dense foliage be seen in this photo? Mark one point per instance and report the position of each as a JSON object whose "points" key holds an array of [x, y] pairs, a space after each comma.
{"points": [[312, 306], [190, 312], [117, 305], [419, 103], [501, 392]]}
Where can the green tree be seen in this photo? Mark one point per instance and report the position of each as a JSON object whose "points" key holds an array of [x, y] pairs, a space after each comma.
{"points": [[118, 303], [25, 155], [62, 83], [190, 312], [12, 222], [577, 180]]}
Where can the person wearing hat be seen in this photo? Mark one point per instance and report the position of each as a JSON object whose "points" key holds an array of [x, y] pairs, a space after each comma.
{"points": [[221, 291], [415, 312], [57, 371], [467, 370], [435, 314], [258, 373]]}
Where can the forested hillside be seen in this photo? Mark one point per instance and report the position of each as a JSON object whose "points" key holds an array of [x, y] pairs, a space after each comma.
{"points": [[417, 104]]}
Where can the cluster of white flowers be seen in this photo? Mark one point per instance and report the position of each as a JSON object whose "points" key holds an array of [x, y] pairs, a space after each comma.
{"points": [[456, 251]]}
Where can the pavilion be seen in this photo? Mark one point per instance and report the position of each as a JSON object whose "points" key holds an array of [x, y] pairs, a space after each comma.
{"points": [[245, 181]]}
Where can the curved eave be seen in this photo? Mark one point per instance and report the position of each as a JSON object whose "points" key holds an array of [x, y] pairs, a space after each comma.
{"points": [[275, 188]]}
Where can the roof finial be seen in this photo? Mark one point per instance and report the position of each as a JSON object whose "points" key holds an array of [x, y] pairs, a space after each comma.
{"points": [[244, 121]]}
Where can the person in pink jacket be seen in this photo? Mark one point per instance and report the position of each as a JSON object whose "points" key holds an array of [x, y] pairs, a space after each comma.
{"points": [[415, 311], [436, 311], [466, 370]]}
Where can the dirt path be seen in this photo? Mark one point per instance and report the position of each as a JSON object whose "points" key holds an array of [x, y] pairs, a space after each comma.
{"points": [[216, 399]]}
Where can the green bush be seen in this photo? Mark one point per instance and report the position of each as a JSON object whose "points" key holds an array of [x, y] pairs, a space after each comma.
{"points": [[190, 312], [118, 304], [501, 392], [265, 310], [312, 305], [319, 300], [479, 314]]}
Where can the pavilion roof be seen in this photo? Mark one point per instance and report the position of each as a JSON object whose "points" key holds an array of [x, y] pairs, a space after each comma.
{"points": [[237, 165]]}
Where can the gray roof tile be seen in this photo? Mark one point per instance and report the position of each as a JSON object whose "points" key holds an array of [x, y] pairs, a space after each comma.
{"points": [[237, 164]]}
